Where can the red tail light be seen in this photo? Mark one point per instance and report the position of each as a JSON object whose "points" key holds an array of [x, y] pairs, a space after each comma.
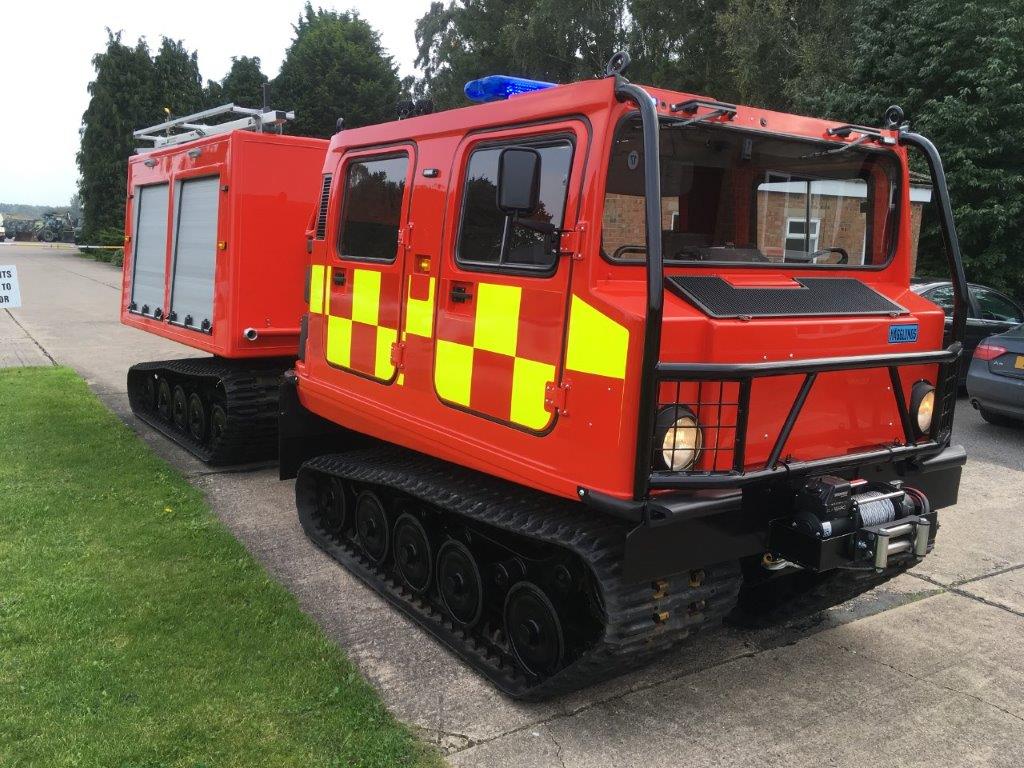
{"points": [[988, 351]]}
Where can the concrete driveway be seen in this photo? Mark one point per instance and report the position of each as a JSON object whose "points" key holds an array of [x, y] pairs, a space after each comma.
{"points": [[924, 671]]}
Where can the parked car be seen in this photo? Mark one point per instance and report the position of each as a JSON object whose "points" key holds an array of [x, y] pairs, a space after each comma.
{"points": [[995, 381], [988, 312], [3, 232]]}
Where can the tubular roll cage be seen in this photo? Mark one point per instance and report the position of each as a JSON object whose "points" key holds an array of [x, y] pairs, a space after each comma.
{"points": [[654, 371]]}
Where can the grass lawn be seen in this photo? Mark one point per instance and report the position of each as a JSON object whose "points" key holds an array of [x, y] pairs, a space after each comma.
{"points": [[134, 629]]}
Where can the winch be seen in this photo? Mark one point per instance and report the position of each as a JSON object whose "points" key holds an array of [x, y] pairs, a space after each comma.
{"points": [[853, 523]]}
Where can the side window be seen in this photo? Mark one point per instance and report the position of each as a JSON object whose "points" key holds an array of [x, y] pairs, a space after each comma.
{"points": [[994, 306], [371, 209], [482, 239], [943, 296]]}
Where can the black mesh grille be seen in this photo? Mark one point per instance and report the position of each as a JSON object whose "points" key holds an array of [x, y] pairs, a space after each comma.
{"points": [[321, 216], [813, 296]]}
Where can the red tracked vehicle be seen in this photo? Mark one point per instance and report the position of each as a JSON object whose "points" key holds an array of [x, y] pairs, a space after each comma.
{"points": [[585, 367], [213, 247]]}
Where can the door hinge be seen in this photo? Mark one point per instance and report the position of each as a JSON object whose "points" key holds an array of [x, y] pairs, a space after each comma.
{"points": [[405, 235], [571, 241], [556, 397], [398, 354]]}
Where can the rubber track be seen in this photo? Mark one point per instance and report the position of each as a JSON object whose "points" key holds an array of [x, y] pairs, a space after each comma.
{"points": [[250, 390], [630, 636]]}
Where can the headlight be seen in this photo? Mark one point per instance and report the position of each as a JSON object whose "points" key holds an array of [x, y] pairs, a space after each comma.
{"points": [[681, 438], [922, 405]]}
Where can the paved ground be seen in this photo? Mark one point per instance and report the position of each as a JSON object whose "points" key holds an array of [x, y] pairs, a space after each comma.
{"points": [[925, 671]]}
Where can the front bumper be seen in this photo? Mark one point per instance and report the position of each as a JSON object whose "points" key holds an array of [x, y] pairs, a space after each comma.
{"points": [[680, 530]]}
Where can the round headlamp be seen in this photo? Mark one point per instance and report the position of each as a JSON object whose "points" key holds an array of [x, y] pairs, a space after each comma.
{"points": [[922, 406], [680, 438]]}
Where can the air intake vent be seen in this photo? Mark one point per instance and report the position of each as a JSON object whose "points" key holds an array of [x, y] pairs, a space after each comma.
{"points": [[321, 216]]}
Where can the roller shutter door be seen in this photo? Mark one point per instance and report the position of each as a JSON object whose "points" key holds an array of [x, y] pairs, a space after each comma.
{"points": [[150, 256], [195, 252]]}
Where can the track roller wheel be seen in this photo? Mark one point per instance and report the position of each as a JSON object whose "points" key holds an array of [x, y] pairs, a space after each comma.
{"points": [[414, 557], [331, 505], [149, 392], [197, 420], [459, 582], [218, 424], [533, 629], [179, 408], [163, 399], [372, 526]]}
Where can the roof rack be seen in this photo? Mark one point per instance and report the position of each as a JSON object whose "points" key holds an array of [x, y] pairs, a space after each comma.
{"points": [[164, 135]]}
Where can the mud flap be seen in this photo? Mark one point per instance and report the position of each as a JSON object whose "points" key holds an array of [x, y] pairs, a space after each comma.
{"points": [[302, 434]]}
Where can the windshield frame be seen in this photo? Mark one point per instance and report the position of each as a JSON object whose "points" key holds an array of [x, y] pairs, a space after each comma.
{"points": [[824, 144]]}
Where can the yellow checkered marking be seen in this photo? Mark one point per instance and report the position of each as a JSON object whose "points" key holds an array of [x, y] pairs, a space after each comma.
{"points": [[366, 310], [339, 341], [419, 313], [597, 344], [497, 318], [495, 329], [366, 296], [529, 382], [453, 371], [316, 289]]}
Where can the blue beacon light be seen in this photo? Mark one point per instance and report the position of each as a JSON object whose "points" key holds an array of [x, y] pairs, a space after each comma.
{"points": [[498, 87]]}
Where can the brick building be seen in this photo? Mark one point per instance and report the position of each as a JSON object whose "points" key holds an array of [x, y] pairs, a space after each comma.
{"points": [[834, 209]]}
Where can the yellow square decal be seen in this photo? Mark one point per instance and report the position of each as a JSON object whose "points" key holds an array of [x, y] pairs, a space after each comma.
{"points": [[366, 296], [383, 368], [529, 383], [597, 344], [316, 289], [497, 318], [453, 372], [419, 313], [339, 341]]}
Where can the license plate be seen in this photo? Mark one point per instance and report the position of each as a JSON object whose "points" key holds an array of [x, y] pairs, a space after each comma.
{"points": [[1019, 364]]}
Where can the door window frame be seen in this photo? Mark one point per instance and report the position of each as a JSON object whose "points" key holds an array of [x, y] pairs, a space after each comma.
{"points": [[562, 134], [403, 149]]}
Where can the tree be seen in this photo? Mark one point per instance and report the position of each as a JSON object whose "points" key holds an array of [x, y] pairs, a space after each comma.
{"points": [[120, 101], [177, 85], [335, 67], [554, 40], [243, 84], [956, 68], [680, 45]]}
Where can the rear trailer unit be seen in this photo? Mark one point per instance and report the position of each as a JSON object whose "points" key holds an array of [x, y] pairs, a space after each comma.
{"points": [[594, 366], [215, 259]]}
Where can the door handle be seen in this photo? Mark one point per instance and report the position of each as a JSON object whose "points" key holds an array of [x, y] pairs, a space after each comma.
{"points": [[338, 278], [461, 294]]}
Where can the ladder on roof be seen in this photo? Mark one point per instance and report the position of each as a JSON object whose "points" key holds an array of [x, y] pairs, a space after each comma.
{"points": [[189, 129]]}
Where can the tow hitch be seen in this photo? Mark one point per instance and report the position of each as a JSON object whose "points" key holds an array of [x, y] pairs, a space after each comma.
{"points": [[841, 523]]}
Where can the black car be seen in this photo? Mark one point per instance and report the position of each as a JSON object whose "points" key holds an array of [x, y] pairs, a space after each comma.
{"points": [[989, 312], [995, 382]]}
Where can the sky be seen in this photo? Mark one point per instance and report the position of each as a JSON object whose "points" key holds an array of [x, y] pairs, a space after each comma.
{"points": [[46, 55]]}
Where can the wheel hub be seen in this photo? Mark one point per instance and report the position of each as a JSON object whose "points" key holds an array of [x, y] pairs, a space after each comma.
{"points": [[461, 585], [372, 526], [533, 629], [415, 562]]}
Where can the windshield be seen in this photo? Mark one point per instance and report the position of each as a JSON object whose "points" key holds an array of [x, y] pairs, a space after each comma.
{"points": [[730, 196]]}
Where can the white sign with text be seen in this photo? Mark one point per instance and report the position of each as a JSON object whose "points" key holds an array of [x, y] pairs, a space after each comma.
{"points": [[10, 293]]}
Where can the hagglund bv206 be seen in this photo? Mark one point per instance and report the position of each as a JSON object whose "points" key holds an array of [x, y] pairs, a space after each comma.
{"points": [[586, 366], [213, 237]]}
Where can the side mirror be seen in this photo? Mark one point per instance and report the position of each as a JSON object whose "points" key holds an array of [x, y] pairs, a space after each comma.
{"points": [[518, 181]]}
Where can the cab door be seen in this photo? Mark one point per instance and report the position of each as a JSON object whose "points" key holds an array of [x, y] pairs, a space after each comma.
{"points": [[501, 304], [363, 305]]}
